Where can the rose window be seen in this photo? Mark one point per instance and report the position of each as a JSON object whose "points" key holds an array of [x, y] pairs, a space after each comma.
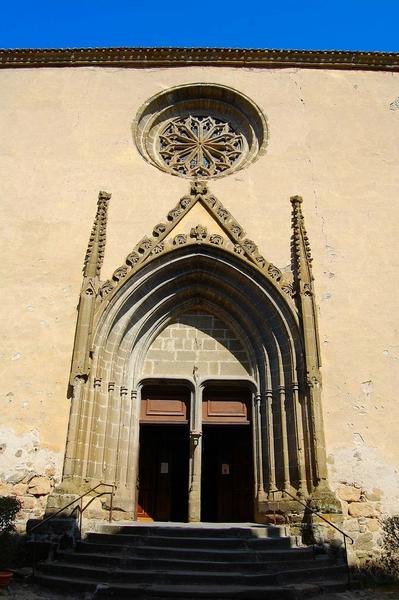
{"points": [[200, 146], [200, 131]]}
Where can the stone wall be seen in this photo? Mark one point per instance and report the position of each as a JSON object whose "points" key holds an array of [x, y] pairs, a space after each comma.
{"points": [[27, 471], [197, 343], [362, 512], [32, 492]]}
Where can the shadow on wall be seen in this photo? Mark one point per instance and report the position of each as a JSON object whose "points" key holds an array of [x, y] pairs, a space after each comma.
{"points": [[202, 339]]}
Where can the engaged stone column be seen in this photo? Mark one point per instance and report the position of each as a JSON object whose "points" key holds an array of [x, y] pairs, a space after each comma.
{"points": [[300, 440], [71, 456], [111, 434], [133, 449], [125, 496], [92, 453], [98, 426], [284, 438], [123, 441], [271, 462], [257, 435]]}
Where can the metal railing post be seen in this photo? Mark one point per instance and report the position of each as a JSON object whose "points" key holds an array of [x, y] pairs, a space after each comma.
{"points": [[111, 505]]}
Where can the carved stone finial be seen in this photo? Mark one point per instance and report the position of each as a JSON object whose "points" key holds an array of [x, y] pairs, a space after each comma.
{"points": [[199, 233], [296, 199], [198, 187], [301, 254], [103, 196], [96, 247]]}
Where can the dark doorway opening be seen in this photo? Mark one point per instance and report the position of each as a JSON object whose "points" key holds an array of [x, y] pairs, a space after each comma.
{"points": [[227, 489], [163, 473]]}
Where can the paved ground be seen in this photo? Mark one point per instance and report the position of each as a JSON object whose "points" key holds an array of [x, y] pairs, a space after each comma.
{"points": [[24, 591], [28, 591]]}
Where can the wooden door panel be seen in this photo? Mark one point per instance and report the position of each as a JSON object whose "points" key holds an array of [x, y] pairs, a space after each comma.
{"points": [[225, 406], [164, 404]]}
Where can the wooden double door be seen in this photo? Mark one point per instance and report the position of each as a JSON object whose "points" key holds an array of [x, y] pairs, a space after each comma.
{"points": [[226, 463]]}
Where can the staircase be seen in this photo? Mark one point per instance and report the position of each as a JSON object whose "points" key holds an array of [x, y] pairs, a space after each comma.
{"points": [[161, 561]]}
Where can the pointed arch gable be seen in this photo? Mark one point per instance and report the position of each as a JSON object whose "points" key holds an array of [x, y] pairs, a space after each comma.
{"points": [[164, 241]]}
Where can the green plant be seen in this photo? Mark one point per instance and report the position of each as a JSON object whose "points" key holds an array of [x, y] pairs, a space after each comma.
{"points": [[390, 558], [9, 508]]}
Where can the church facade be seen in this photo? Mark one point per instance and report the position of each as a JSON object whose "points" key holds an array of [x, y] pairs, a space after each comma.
{"points": [[234, 346]]}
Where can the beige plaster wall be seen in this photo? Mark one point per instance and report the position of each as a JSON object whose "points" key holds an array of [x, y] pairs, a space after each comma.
{"points": [[66, 134]]}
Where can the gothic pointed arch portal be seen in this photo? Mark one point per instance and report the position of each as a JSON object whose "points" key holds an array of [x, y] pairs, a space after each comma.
{"points": [[197, 315]]}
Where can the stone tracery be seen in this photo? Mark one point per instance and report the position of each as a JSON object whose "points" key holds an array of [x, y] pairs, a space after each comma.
{"points": [[200, 131], [200, 146]]}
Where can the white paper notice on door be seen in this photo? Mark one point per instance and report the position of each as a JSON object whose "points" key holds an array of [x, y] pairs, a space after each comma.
{"points": [[225, 469], [164, 467]]}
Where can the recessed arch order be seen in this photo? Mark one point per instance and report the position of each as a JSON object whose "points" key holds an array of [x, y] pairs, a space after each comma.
{"points": [[168, 288]]}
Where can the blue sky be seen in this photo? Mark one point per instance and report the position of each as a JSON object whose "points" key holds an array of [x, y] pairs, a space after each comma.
{"points": [[340, 25]]}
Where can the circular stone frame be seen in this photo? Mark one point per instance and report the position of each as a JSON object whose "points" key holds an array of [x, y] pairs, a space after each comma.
{"points": [[217, 101]]}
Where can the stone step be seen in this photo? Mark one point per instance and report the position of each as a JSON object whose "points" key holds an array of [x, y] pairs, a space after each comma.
{"points": [[184, 577], [183, 592], [255, 564], [216, 542], [189, 563], [191, 530], [267, 553]]}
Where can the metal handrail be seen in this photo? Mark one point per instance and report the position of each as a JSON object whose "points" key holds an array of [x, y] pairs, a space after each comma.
{"points": [[315, 512], [312, 510], [78, 508]]}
